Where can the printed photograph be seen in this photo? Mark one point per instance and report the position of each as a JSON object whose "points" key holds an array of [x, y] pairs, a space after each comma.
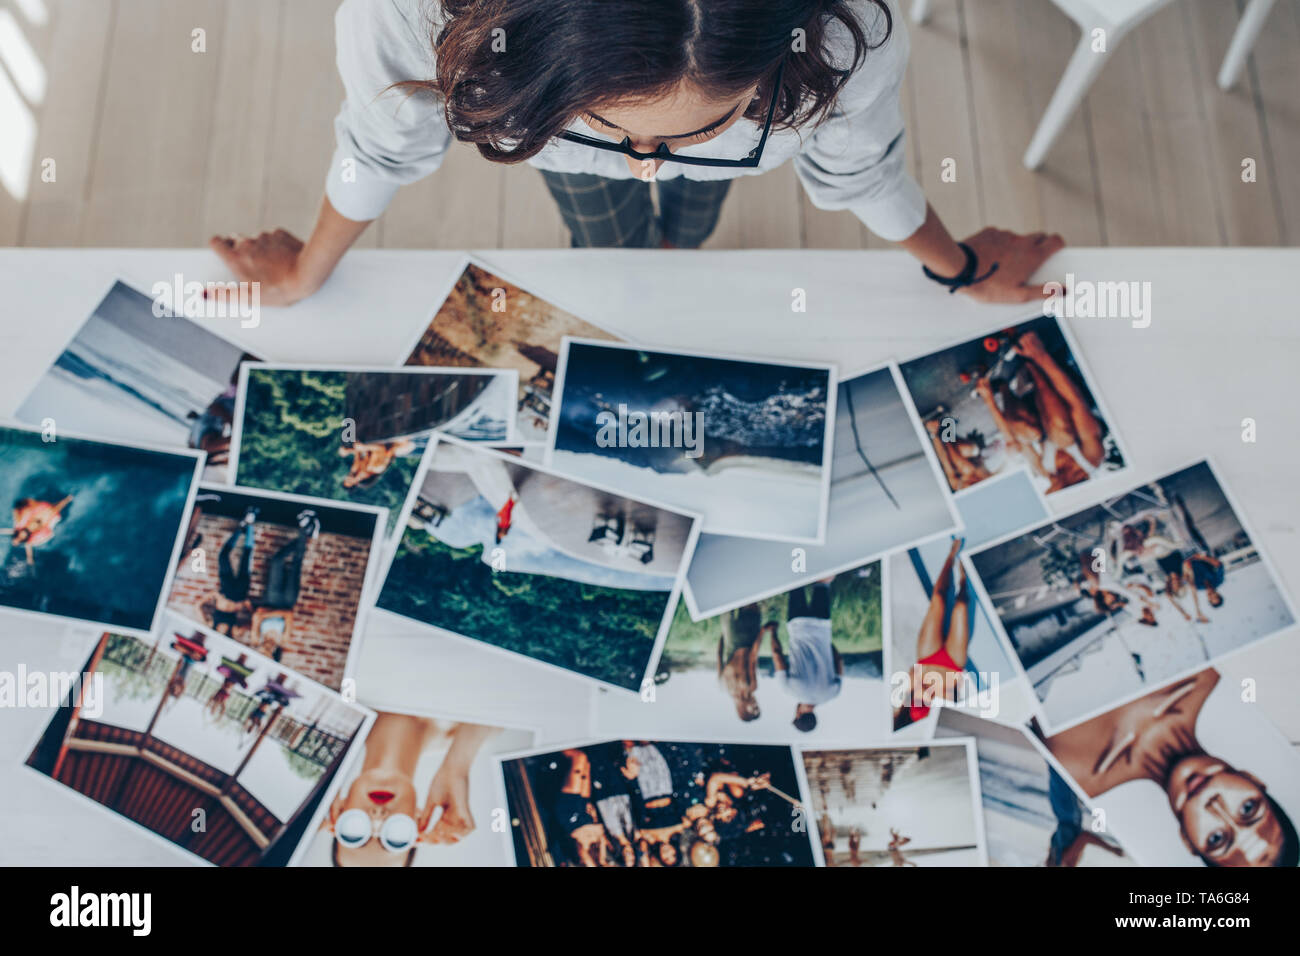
{"points": [[94, 529], [1191, 774], [1130, 592], [745, 443], [1032, 816], [799, 664], [488, 322], [422, 792], [283, 574], [212, 747], [516, 557], [897, 806], [358, 434], [129, 375], [885, 492], [1015, 397], [629, 803], [943, 646]]}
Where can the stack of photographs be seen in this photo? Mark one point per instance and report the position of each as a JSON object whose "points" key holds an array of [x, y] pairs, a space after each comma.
{"points": [[927, 613]]}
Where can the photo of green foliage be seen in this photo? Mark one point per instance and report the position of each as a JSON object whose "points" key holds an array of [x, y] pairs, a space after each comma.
{"points": [[600, 632], [293, 428]]}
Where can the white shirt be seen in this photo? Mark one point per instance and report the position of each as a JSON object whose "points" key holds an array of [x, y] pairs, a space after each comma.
{"points": [[810, 677], [386, 138]]}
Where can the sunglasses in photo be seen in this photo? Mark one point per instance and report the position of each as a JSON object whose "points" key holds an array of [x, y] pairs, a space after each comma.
{"points": [[397, 834]]}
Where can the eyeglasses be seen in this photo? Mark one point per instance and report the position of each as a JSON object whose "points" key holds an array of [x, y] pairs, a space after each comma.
{"points": [[662, 153], [354, 828]]}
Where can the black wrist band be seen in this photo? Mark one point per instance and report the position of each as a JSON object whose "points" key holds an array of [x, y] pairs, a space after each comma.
{"points": [[966, 277]]}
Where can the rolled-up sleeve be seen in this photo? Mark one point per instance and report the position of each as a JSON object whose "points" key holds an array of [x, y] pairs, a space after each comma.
{"points": [[385, 137], [856, 159]]}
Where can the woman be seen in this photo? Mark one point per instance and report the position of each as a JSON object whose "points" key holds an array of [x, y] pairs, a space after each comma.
{"points": [[378, 819], [940, 658], [1054, 429], [605, 95], [1224, 815], [738, 650]]}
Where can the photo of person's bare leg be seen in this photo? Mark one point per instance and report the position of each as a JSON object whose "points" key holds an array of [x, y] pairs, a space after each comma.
{"points": [[932, 656], [1009, 431], [1083, 424], [959, 621], [1021, 416], [931, 637], [1053, 412]]}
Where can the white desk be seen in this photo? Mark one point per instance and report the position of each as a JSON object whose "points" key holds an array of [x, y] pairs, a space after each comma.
{"points": [[1223, 345]]}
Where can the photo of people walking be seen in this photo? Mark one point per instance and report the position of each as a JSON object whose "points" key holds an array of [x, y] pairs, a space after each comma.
{"points": [[806, 663]]}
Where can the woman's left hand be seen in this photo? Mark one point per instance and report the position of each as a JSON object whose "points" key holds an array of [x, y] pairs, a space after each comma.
{"points": [[1018, 257]]}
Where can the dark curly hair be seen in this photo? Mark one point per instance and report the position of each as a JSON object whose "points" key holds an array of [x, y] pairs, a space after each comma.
{"points": [[564, 57]]}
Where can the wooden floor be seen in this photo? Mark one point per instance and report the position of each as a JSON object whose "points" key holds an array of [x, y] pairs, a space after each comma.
{"points": [[153, 144]]}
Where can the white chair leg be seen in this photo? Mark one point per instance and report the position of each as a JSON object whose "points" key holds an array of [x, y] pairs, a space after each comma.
{"points": [[1075, 82], [920, 11], [1243, 41]]}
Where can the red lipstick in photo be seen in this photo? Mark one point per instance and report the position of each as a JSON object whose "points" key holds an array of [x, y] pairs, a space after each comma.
{"points": [[380, 796]]}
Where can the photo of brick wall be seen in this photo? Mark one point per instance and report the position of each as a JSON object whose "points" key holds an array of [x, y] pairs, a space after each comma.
{"points": [[301, 612]]}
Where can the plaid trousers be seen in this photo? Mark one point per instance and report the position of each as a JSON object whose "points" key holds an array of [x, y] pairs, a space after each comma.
{"points": [[606, 213]]}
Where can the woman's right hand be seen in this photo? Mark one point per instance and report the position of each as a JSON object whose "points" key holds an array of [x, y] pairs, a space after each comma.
{"points": [[270, 259]]}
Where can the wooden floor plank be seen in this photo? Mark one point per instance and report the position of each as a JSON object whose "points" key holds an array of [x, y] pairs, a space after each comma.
{"points": [[78, 45], [940, 128], [999, 96], [308, 93], [243, 118], [150, 160], [1274, 72], [458, 207], [1249, 213], [766, 212], [1065, 181], [1121, 138], [529, 218], [159, 145], [1184, 185], [25, 86]]}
